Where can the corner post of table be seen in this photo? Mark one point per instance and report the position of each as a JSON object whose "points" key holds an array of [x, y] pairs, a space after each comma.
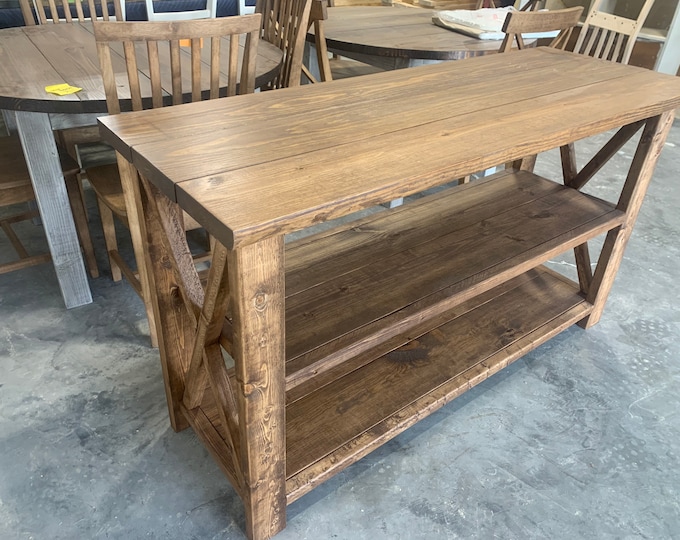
{"points": [[642, 167], [131, 193], [42, 159], [256, 276]]}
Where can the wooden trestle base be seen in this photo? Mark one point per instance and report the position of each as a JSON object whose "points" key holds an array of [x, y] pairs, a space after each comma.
{"points": [[344, 339]]}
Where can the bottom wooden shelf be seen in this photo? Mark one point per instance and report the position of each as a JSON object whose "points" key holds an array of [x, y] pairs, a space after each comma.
{"points": [[337, 418]]}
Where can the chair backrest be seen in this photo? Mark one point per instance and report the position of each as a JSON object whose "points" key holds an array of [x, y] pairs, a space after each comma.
{"points": [[209, 12], [317, 16], [68, 11], [532, 22], [608, 36], [284, 24], [177, 73]]}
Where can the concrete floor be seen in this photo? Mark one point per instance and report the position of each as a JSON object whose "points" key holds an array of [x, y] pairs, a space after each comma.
{"points": [[579, 439]]}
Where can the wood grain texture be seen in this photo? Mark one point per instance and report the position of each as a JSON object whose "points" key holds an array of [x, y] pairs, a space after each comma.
{"points": [[416, 95], [640, 174], [446, 358], [239, 205], [42, 160], [257, 285], [36, 56], [338, 121], [519, 22], [449, 257], [175, 325], [386, 319], [392, 32]]}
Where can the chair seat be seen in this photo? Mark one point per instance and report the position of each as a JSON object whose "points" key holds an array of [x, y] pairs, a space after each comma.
{"points": [[16, 188], [15, 181], [105, 181]]}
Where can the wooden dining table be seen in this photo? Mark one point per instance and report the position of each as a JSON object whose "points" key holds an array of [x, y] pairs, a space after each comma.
{"points": [[393, 37], [343, 338], [32, 58]]}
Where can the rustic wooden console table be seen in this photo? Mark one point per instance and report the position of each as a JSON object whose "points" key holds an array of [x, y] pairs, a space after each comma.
{"points": [[345, 338]]}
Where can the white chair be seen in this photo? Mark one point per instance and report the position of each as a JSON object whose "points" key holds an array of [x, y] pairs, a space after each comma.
{"points": [[209, 12], [243, 9]]}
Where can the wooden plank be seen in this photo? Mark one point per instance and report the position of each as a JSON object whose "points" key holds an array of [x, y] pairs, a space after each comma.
{"points": [[206, 430], [176, 326], [256, 282], [331, 417], [411, 90], [419, 101], [42, 160], [464, 261], [467, 249], [384, 431], [325, 256], [640, 174], [70, 50], [22, 67], [251, 203], [324, 377]]}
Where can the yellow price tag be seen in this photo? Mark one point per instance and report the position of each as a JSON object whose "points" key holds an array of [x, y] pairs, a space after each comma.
{"points": [[187, 43], [62, 89]]}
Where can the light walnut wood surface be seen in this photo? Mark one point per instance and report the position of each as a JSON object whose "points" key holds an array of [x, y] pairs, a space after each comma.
{"points": [[268, 183], [343, 339]]}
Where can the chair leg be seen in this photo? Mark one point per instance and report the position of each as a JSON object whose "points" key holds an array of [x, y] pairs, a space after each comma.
{"points": [[25, 260], [109, 228], [73, 189]]}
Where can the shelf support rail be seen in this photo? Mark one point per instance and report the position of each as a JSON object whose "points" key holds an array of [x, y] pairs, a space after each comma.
{"points": [[596, 286]]}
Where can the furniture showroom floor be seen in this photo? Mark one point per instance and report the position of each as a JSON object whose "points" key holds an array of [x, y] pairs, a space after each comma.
{"points": [[579, 439]]}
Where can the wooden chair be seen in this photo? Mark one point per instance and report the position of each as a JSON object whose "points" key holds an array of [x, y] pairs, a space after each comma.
{"points": [[16, 188], [608, 36], [68, 11], [335, 67], [518, 22], [170, 66], [318, 14], [285, 24], [209, 12], [528, 22]]}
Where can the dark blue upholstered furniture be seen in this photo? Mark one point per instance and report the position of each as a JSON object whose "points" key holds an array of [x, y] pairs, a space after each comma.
{"points": [[134, 11]]}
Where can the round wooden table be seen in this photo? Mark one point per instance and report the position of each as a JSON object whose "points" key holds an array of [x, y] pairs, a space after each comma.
{"points": [[397, 37], [32, 58]]}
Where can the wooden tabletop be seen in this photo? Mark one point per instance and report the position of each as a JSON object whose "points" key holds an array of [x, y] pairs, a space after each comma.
{"points": [[399, 32], [276, 162], [33, 57]]}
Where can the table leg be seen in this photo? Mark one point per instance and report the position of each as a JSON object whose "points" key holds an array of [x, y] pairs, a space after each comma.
{"points": [[42, 159], [256, 279], [640, 174], [249, 444]]}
